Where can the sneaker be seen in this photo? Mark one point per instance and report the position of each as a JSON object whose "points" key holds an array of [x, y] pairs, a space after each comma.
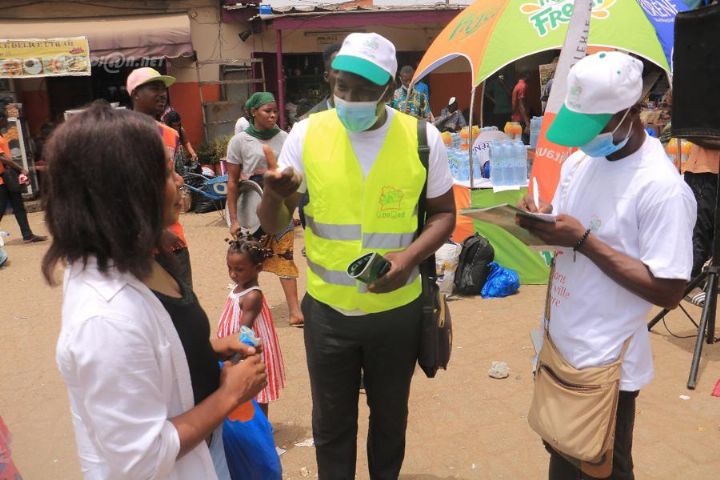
{"points": [[35, 239]]}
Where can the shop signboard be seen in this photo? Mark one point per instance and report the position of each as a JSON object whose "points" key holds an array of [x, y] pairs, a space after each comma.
{"points": [[44, 57]]}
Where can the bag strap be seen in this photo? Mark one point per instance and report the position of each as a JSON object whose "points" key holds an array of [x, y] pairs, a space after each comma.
{"points": [[546, 320], [427, 267]]}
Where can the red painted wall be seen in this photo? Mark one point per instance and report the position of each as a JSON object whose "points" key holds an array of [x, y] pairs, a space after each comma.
{"points": [[446, 85], [36, 108], [185, 98]]}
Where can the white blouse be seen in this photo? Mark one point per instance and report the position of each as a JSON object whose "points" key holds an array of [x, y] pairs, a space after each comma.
{"points": [[127, 375]]}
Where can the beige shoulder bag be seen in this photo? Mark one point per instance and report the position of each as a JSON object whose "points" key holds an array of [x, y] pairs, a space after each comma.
{"points": [[574, 410]]}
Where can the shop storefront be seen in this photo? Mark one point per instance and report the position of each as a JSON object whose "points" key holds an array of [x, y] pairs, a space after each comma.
{"points": [[294, 39], [116, 45]]}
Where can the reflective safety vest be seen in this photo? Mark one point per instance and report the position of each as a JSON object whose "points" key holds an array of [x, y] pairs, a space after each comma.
{"points": [[350, 215]]}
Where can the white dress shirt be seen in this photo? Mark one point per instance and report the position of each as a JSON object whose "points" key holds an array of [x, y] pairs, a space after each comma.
{"points": [[127, 375]]}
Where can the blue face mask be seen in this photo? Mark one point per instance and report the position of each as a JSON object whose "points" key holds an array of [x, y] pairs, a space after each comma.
{"points": [[603, 145], [357, 116]]}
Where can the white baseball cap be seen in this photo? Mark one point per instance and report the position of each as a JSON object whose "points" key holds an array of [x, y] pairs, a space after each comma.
{"points": [[369, 55], [451, 101], [145, 75], [599, 86]]}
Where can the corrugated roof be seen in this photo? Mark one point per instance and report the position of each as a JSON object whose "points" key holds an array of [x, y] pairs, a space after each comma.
{"points": [[348, 7]]}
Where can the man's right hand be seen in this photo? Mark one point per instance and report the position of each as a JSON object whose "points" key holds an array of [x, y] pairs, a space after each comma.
{"points": [[281, 183], [244, 380], [528, 203]]}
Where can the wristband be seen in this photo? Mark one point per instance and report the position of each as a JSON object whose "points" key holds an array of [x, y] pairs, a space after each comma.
{"points": [[580, 242]]}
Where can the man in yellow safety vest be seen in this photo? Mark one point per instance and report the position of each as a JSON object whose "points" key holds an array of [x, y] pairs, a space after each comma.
{"points": [[360, 164]]}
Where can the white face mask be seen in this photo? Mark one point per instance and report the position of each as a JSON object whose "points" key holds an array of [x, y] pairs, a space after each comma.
{"points": [[357, 116]]}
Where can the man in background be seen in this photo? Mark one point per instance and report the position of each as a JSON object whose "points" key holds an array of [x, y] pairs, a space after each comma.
{"points": [[701, 174], [451, 119], [520, 110], [148, 92], [499, 96], [242, 122], [329, 77], [415, 103]]}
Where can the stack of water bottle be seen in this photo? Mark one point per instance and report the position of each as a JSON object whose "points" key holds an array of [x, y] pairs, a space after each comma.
{"points": [[460, 165], [458, 156], [508, 163]]}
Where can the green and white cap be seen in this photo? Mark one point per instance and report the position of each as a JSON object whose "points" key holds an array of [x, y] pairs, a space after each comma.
{"points": [[369, 55], [599, 86]]}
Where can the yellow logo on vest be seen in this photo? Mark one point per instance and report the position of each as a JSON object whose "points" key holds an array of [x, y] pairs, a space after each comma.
{"points": [[390, 202]]}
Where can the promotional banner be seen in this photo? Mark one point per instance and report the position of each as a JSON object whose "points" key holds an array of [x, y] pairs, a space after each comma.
{"points": [[50, 57], [548, 156], [661, 14]]}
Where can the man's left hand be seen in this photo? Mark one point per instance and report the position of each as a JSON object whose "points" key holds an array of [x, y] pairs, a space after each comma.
{"points": [[565, 232], [400, 269]]}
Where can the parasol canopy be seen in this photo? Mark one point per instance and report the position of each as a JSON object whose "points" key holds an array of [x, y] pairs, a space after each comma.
{"points": [[493, 33]]}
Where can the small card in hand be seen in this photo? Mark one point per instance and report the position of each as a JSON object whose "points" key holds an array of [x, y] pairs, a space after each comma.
{"points": [[368, 268]]}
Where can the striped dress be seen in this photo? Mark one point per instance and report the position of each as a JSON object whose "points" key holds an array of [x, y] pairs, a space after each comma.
{"points": [[230, 322]]}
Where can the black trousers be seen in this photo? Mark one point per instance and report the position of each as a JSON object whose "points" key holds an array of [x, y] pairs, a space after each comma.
{"points": [[704, 187], [561, 469], [385, 347], [16, 201]]}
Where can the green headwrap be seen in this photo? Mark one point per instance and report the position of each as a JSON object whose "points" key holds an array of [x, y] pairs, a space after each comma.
{"points": [[257, 100]]}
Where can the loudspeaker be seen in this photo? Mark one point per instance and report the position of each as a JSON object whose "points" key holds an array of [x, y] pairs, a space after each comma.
{"points": [[696, 77]]}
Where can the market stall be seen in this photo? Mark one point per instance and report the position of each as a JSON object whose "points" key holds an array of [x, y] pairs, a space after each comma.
{"points": [[491, 34], [531, 265]]}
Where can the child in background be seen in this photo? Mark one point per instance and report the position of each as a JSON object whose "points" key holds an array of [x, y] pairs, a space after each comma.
{"points": [[246, 306], [8, 471]]}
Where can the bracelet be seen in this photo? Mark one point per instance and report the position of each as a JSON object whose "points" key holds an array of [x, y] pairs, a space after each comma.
{"points": [[580, 242]]}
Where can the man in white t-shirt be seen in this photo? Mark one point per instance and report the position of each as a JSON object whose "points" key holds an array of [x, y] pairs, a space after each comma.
{"points": [[624, 232], [241, 125], [361, 166]]}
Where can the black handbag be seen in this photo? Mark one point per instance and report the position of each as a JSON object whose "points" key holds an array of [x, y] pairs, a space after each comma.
{"points": [[11, 180], [436, 331]]}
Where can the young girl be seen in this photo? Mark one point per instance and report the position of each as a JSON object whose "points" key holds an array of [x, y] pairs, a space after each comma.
{"points": [[246, 306]]}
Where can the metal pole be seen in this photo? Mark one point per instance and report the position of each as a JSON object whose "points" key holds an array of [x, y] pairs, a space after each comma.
{"points": [[280, 79], [482, 104], [470, 148]]}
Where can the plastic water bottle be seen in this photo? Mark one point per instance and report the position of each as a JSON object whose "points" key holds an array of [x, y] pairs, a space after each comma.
{"points": [[455, 140], [509, 154], [477, 168], [511, 172], [535, 126], [510, 178], [498, 164], [464, 169], [519, 163]]}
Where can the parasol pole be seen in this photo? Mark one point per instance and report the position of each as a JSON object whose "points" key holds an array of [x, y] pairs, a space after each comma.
{"points": [[470, 147], [482, 104]]}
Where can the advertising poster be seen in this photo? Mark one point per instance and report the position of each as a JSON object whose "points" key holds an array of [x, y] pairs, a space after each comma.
{"points": [[50, 57]]}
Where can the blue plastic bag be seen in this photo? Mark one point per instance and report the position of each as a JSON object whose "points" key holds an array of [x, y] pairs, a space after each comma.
{"points": [[500, 282], [250, 448]]}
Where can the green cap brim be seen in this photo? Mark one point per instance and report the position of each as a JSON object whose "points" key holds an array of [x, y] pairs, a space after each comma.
{"points": [[362, 67], [573, 129], [166, 79]]}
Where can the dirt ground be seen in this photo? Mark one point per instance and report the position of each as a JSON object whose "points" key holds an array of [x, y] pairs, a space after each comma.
{"points": [[463, 424]]}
